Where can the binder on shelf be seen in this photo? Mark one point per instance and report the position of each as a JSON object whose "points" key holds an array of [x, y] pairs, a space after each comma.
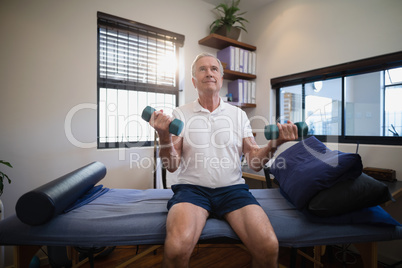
{"points": [[227, 55], [243, 91], [249, 93], [253, 63], [245, 61], [236, 89], [253, 99], [241, 60], [238, 59]]}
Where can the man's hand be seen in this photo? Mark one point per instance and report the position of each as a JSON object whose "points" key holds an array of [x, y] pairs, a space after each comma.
{"points": [[170, 145], [160, 122], [257, 157], [287, 132]]}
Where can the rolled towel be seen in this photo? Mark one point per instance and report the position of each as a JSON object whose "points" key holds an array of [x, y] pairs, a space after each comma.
{"points": [[88, 197]]}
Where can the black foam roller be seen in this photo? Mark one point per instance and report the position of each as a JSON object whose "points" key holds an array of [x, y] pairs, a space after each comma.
{"points": [[45, 202]]}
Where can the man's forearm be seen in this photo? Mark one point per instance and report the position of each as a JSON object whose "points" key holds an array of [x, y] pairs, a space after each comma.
{"points": [[258, 157], [168, 154]]}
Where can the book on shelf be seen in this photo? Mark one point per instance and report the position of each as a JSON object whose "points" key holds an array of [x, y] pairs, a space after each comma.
{"points": [[227, 55], [243, 91], [238, 59]]}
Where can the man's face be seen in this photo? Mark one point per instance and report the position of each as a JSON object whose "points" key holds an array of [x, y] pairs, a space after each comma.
{"points": [[208, 78]]}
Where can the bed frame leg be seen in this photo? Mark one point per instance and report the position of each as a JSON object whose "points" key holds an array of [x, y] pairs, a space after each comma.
{"points": [[293, 257], [368, 252], [316, 259], [23, 255], [147, 251]]}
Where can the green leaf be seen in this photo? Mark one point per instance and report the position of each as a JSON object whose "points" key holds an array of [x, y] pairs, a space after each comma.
{"points": [[3, 176], [6, 163], [9, 181]]}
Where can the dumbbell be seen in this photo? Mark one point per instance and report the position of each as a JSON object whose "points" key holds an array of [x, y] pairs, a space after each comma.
{"points": [[271, 132], [175, 127]]}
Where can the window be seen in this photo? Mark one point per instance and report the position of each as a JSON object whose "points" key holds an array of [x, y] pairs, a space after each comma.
{"points": [[320, 109], [392, 102], [353, 102], [363, 105], [137, 66]]}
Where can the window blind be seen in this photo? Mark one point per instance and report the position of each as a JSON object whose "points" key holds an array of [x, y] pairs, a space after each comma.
{"points": [[137, 66]]}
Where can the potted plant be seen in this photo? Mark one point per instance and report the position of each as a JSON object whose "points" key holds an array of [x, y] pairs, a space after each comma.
{"points": [[230, 22], [4, 176]]}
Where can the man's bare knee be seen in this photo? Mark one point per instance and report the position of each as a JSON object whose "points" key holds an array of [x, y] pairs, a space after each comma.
{"points": [[180, 243], [266, 255], [177, 252]]}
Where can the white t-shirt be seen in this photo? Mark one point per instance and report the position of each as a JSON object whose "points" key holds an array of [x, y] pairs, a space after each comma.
{"points": [[212, 144]]}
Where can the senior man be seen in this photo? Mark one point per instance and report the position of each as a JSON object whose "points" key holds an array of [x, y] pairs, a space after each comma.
{"points": [[208, 155]]}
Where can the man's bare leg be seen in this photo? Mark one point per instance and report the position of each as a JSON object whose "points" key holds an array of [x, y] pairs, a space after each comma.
{"points": [[254, 229], [184, 225]]}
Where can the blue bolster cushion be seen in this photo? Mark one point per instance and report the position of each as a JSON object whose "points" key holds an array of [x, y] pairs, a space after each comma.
{"points": [[329, 186], [45, 202], [350, 195], [309, 166]]}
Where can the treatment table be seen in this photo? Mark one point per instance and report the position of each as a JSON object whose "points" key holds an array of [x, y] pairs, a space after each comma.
{"points": [[137, 217]]}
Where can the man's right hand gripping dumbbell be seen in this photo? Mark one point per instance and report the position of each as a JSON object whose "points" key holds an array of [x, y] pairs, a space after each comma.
{"points": [[175, 126]]}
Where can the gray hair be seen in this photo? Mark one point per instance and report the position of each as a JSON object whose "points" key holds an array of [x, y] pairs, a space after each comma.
{"points": [[205, 54]]}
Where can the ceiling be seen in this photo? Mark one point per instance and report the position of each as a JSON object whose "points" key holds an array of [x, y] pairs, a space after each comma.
{"points": [[245, 5]]}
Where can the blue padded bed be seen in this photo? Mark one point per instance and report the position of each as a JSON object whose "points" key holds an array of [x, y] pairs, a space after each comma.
{"points": [[137, 217]]}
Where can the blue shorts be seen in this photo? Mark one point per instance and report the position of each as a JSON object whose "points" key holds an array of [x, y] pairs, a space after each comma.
{"points": [[217, 201]]}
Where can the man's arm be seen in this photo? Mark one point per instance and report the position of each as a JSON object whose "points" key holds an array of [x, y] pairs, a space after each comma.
{"points": [[257, 156], [170, 152], [170, 145]]}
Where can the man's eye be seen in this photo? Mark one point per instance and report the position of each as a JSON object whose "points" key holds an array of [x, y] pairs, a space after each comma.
{"points": [[202, 69]]}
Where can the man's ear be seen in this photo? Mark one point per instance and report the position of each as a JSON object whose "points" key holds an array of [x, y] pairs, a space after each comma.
{"points": [[193, 80], [221, 77]]}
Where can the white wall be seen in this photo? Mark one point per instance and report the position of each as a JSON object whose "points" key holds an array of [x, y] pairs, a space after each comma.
{"points": [[48, 57], [293, 36]]}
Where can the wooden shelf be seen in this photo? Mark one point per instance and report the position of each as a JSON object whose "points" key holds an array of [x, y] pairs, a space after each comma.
{"points": [[243, 105], [221, 42], [233, 75]]}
